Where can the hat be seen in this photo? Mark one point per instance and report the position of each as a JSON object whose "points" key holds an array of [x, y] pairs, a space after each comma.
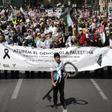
{"points": [[80, 29], [37, 30]]}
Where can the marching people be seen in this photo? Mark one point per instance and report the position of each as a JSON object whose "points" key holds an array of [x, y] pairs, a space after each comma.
{"points": [[16, 23]]}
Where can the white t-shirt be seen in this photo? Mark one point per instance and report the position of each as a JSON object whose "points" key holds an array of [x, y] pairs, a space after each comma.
{"points": [[43, 44]]}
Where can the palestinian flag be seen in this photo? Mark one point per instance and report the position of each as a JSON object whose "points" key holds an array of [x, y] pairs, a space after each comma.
{"points": [[67, 17]]}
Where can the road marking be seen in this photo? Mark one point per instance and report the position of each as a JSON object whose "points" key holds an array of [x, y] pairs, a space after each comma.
{"points": [[16, 91], [99, 89]]}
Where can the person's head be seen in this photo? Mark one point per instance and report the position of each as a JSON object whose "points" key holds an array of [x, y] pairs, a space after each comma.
{"points": [[43, 37], [2, 38], [57, 57]]}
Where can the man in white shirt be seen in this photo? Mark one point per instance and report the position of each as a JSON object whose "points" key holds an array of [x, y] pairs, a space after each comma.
{"points": [[57, 80]]}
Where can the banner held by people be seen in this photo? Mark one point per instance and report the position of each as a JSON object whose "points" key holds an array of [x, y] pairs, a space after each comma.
{"points": [[32, 59]]}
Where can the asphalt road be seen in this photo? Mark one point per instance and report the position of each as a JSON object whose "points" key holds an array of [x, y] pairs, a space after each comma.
{"points": [[82, 95]]}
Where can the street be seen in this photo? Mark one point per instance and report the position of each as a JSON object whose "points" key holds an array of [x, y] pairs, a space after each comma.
{"points": [[82, 95]]}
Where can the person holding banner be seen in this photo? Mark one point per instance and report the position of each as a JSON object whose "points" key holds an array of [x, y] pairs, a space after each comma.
{"points": [[57, 80]]}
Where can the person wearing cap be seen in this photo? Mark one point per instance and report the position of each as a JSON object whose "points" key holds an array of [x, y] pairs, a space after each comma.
{"points": [[57, 80]]}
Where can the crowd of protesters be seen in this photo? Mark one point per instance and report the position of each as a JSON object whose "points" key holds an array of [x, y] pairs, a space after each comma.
{"points": [[34, 28]]}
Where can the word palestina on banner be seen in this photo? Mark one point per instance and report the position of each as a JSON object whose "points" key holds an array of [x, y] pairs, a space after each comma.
{"points": [[33, 59]]}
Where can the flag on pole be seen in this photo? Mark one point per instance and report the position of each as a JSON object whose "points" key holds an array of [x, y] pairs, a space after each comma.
{"points": [[69, 20], [67, 17]]}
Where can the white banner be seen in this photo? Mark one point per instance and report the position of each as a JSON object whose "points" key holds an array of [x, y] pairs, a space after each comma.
{"points": [[30, 59]]}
